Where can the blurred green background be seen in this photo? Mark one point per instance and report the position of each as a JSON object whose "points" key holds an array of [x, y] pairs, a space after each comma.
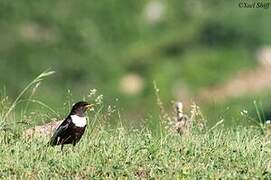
{"points": [[120, 47]]}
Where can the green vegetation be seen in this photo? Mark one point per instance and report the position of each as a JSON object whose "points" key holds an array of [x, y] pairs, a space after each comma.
{"points": [[112, 149], [106, 153], [184, 46], [94, 44]]}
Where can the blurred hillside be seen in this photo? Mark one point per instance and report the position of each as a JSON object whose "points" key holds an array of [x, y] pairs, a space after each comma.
{"points": [[121, 47]]}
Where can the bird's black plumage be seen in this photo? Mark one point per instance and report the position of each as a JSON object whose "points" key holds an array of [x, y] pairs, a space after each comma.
{"points": [[68, 131]]}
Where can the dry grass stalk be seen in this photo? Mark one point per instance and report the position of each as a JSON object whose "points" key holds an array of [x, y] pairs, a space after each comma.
{"points": [[166, 119], [197, 117]]}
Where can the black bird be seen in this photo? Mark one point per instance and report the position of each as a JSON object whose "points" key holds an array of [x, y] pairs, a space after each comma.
{"points": [[73, 127]]}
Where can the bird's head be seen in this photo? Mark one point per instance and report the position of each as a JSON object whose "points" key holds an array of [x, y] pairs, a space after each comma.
{"points": [[80, 108]]}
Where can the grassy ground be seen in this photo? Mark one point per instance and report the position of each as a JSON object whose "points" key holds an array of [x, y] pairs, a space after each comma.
{"points": [[107, 153], [127, 153]]}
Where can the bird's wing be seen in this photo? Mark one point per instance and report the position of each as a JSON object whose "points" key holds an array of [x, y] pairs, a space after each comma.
{"points": [[62, 128]]}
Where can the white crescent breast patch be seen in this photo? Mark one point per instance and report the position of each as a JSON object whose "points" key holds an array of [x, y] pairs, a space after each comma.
{"points": [[79, 121]]}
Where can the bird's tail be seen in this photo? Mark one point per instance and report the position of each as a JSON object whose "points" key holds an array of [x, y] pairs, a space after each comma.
{"points": [[54, 139]]}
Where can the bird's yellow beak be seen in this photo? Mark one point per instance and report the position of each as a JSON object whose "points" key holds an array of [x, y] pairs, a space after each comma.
{"points": [[89, 106]]}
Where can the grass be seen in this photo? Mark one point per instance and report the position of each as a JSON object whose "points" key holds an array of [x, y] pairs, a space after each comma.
{"points": [[127, 153], [107, 153]]}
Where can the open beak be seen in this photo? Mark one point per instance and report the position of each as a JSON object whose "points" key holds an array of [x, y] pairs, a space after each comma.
{"points": [[89, 106]]}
